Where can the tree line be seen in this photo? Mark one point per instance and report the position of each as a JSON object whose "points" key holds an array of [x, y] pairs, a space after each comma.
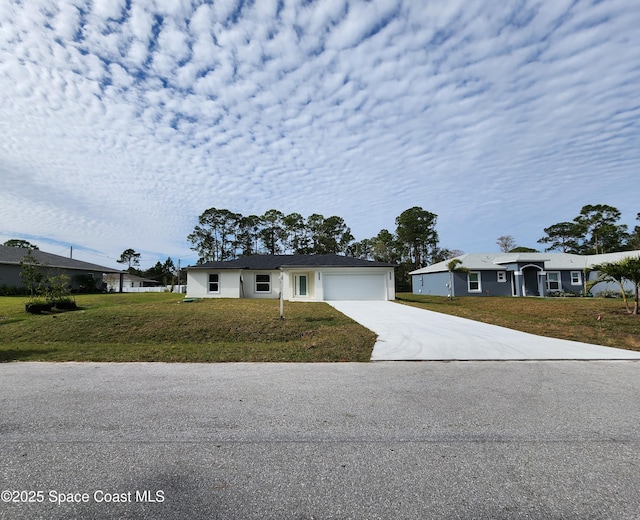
{"points": [[222, 235], [595, 230]]}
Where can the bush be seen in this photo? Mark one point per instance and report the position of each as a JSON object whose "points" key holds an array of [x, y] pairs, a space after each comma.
{"points": [[65, 305], [37, 307], [567, 294], [613, 294], [86, 284], [12, 290]]}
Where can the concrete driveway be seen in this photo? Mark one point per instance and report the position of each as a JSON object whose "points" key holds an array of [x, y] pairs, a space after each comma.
{"points": [[408, 333]]}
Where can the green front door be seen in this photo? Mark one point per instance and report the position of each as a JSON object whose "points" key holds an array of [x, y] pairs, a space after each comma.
{"points": [[301, 285]]}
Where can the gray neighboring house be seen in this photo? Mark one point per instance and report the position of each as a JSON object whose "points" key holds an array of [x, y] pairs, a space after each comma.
{"points": [[302, 278], [516, 274], [53, 265]]}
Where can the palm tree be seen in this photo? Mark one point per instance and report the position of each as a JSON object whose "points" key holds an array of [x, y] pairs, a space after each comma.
{"points": [[631, 270], [626, 269], [454, 267], [613, 272]]}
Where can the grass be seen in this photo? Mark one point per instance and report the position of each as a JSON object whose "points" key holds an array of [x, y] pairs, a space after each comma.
{"points": [[160, 327], [565, 318]]}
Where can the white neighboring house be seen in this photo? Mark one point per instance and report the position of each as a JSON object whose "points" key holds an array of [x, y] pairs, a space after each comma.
{"points": [[130, 283], [138, 284], [303, 278]]}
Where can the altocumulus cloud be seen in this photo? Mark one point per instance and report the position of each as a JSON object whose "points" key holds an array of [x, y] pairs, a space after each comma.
{"points": [[123, 120]]}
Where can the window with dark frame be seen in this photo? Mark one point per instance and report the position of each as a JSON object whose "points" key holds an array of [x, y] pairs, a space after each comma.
{"points": [[214, 283], [263, 283], [553, 281]]}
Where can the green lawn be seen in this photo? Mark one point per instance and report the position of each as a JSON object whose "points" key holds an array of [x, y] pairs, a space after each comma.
{"points": [[160, 327], [566, 318]]}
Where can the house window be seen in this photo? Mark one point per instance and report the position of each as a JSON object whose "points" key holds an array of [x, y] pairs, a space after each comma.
{"points": [[502, 276], [576, 278], [214, 283], [553, 281], [473, 282], [263, 283]]}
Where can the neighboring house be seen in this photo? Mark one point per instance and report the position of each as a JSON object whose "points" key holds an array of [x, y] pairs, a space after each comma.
{"points": [[79, 273], [516, 274], [130, 283], [303, 278]]}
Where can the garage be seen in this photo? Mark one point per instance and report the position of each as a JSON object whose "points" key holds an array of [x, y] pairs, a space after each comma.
{"points": [[354, 287]]}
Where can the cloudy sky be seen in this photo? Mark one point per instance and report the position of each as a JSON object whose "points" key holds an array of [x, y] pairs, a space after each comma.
{"points": [[121, 121]]}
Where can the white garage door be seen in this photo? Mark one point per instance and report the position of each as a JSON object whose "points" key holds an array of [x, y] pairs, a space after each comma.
{"points": [[354, 287]]}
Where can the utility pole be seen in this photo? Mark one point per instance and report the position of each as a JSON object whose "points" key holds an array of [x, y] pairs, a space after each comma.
{"points": [[71, 252]]}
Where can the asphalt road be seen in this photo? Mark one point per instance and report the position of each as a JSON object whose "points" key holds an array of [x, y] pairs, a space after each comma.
{"points": [[535, 440]]}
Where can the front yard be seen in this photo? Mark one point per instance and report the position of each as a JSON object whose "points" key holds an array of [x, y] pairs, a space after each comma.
{"points": [[160, 327]]}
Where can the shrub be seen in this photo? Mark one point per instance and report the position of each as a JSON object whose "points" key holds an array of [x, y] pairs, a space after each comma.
{"points": [[562, 294], [86, 283], [613, 294], [65, 305], [36, 306], [12, 290]]}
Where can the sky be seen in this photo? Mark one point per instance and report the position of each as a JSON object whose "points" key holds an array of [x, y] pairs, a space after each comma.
{"points": [[121, 121]]}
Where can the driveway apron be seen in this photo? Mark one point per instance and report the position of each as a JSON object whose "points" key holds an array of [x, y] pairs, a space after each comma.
{"points": [[408, 333]]}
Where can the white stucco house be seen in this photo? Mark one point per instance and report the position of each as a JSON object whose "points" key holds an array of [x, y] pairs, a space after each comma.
{"points": [[302, 278]]}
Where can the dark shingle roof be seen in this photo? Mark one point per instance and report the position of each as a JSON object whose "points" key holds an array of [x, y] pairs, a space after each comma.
{"points": [[14, 255], [271, 262]]}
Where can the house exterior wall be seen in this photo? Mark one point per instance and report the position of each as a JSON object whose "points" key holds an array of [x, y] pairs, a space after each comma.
{"points": [[250, 284], [529, 274], [10, 275], [434, 284], [230, 285], [198, 284], [610, 287], [97, 277], [460, 284], [489, 284], [567, 285], [607, 286]]}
